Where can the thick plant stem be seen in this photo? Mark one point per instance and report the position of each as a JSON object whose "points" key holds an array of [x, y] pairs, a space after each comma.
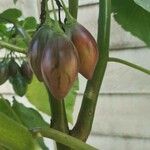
{"points": [[58, 118], [73, 8], [62, 138], [84, 122], [118, 60], [12, 47]]}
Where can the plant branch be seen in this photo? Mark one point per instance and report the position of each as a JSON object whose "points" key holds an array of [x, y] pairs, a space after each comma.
{"points": [[84, 122], [61, 138], [111, 59], [73, 8], [12, 47]]}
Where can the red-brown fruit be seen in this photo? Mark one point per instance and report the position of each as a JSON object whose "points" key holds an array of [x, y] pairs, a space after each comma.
{"points": [[59, 65], [86, 47], [36, 49]]}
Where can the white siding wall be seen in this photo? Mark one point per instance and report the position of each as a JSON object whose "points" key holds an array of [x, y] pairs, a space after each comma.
{"points": [[123, 111]]}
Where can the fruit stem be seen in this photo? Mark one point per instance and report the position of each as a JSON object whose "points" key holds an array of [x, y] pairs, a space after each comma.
{"points": [[62, 138], [73, 8], [56, 26], [84, 122], [118, 60], [68, 15], [54, 12]]}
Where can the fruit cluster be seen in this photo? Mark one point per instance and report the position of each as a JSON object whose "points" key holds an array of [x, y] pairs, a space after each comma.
{"points": [[19, 76], [57, 53]]}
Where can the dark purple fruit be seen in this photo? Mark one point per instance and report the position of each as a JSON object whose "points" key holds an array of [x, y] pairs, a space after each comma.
{"points": [[59, 65], [86, 47], [19, 84], [26, 71], [4, 72], [13, 67], [36, 49]]}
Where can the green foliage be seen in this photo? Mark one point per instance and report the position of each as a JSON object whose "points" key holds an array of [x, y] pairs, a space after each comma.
{"points": [[70, 100], [143, 3], [132, 18], [10, 15], [5, 108], [31, 119], [30, 23], [21, 29], [38, 96], [13, 135], [27, 117]]}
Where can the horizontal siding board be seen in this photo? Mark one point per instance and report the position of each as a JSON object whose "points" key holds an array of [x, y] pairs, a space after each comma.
{"points": [[111, 143], [121, 115]]}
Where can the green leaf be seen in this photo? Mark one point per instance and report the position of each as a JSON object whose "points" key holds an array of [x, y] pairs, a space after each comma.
{"points": [[132, 18], [3, 30], [5, 108], [13, 135], [144, 4], [3, 148], [31, 119], [38, 96], [30, 23], [18, 41], [70, 100], [28, 116], [10, 15]]}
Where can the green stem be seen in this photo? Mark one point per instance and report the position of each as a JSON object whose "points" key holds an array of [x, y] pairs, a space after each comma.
{"points": [[111, 59], [54, 12], [73, 8], [12, 47], [58, 117], [68, 15], [61, 138], [84, 122]]}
